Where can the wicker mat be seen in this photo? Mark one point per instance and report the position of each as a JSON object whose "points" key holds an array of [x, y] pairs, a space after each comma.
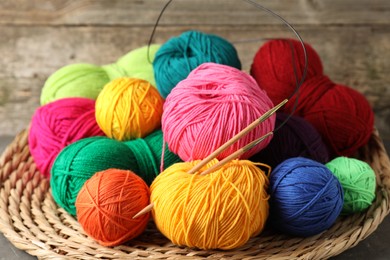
{"points": [[32, 221]]}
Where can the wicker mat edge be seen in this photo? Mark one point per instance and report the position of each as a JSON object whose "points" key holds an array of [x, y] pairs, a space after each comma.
{"points": [[31, 220]]}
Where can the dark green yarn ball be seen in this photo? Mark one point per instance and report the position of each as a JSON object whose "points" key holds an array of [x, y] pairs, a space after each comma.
{"points": [[81, 160], [147, 152]]}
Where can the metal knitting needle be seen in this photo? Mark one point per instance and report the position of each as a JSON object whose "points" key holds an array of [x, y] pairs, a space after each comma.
{"points": [[223, 147]]}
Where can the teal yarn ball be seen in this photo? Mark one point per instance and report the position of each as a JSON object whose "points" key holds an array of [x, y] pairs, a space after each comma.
{"points": [[358, 181], [180, 55], [147, 153], [79, 161]]}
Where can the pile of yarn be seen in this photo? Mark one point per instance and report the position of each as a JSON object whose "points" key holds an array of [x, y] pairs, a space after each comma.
{"points": [[112, 139], [305, 195], [94, 123], [340, 114]]}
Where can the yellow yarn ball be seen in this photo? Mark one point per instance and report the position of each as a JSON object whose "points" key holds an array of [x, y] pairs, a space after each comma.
{"points": [[129, 108], [220, 210]]}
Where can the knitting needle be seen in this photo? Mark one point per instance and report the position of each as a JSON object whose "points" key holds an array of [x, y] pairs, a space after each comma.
{"points": [[234, 155], [238, 136], [216, 166]]}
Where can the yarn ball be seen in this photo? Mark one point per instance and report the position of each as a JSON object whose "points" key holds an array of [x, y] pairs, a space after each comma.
{"points": [[129, 108], [58, 124], [305, 197], [147, 153], [274, 64], [220, 210], [79, 161], [358, 181], [342, 116], [75, 80], [296, 138], [180, 55], [87, 80], [209, 107], [107, 203], [136, 64]]}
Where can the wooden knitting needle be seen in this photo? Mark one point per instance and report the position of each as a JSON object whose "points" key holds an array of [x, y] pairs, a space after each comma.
{"points": [[234, 155], [238, 136]]}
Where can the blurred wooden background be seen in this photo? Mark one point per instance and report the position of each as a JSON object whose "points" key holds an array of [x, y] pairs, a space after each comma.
{"points": [[38, 37]]}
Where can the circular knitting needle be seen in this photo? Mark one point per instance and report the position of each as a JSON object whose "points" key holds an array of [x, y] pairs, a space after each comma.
{"points": [[223, 147]]}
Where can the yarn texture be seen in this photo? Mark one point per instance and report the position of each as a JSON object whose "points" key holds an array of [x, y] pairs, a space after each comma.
{"points": [[180, 55], [87, 80], [107, 203], [79, 161], [136, 64], [58, 124], [296, 138], [147, 153], [358, 181], [342, 116], [221, 210], [129, 108], [209, 107], [75, 80], [305, 197]]}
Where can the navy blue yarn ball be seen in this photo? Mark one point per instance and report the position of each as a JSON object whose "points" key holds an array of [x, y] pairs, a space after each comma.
{"points": [[305, 197]]}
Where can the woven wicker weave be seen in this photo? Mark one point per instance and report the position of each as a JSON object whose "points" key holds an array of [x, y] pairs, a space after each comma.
{"points": [[31, 220]]}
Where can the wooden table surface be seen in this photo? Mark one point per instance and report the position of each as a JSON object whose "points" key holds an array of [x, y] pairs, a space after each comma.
{"points": [[38, 37]]}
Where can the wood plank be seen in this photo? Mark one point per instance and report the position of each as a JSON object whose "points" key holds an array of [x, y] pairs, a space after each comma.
{"points": [[355, 56], [194, 12]]}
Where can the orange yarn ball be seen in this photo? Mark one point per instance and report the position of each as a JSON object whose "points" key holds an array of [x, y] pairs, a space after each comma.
{"points": [[107, 203], [128, 108]]}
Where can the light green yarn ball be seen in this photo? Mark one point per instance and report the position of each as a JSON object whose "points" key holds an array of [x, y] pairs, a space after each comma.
{"points": [[87, 80], [75, 80], [137, 65], [358, 181]]}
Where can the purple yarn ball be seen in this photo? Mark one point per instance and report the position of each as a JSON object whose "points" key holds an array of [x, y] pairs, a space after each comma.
{"points": [[297, 138]]}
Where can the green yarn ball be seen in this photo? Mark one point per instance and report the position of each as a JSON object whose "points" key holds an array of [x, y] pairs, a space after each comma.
{"points": [[79, 161], [358, 181], [136, 63], [147, 152], [87, 80], [75, 80]]}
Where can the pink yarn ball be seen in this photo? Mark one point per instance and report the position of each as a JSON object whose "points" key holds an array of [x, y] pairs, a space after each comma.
{"points": [[210, 106], [58, 124]]}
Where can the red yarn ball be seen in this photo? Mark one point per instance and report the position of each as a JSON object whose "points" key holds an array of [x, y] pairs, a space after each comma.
{"points": [[273, 67], [342, 116], [58, 124], [107, 203]]}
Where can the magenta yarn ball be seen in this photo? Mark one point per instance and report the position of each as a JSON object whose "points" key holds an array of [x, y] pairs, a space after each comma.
{"points": [[58, 124], [209, 107]]}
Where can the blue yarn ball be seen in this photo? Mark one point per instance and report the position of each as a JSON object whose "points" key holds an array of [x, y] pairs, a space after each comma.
{"points": [[180, 55], [305, 197]]}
